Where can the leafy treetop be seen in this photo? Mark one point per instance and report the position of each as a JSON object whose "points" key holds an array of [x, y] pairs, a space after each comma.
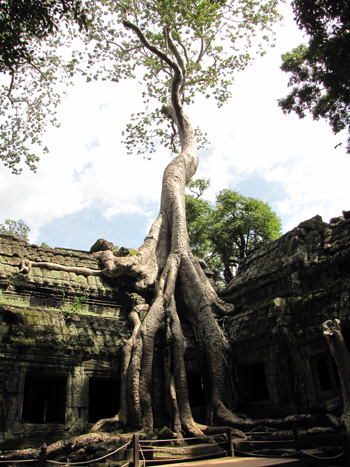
{"points": [[320, 70], [22, 23], [209, 41]]}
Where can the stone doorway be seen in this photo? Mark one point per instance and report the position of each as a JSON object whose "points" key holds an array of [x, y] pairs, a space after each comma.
{"points": [[44, 399], [103, 398]]}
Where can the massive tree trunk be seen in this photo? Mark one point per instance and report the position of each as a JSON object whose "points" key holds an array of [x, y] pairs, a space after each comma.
{"points": [[340, 353]]}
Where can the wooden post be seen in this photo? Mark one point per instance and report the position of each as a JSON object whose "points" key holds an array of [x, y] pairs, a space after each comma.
{"points": [[135, 450], [230, 449], [346, 447], [43, 455], [296, 439]]}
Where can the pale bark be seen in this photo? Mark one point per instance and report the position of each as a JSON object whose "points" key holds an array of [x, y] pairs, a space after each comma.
{"points": [[340, 353]]}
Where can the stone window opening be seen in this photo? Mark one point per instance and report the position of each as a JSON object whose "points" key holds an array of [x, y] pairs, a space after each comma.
{"points": [[104, 394], [253, 382], [325, 374], [44, 399]]}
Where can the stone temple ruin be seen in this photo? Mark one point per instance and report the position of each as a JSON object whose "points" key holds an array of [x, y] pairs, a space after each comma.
{"points": [[61, 335]]}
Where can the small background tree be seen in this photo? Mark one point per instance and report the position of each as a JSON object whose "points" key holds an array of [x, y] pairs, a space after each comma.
{"points": [[224, 233], [16, 228]]}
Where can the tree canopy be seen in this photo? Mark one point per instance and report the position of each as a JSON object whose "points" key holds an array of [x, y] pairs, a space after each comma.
{"points": [[31, 65], [210, 41], [224, 233], [319, 71], [24, 23]]}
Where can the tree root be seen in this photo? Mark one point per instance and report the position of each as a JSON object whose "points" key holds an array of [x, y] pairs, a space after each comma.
{"points": [[107, 425], [201, 304], [26, 266], [67, 446]]}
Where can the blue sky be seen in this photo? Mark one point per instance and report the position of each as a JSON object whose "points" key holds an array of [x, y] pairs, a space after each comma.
{"points": [[87, 187]]}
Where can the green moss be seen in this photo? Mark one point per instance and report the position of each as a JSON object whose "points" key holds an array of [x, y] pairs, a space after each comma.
{"points": [[23, 341], [31, 316], [143, 315], [12, 300]]}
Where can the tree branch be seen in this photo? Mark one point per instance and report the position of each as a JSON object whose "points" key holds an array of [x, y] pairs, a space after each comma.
{"points": [[183, 48], [11, 87], [152, 48], [178, 75], [178, 57], [122, 48], [201, 52], [37, 69]]}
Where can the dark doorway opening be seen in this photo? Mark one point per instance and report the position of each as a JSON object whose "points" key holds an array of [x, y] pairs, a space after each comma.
{"points": [[44, 399], [346, 334], [254, 384], [324, 374], [160, 361], [196, 394], [103, 398]]}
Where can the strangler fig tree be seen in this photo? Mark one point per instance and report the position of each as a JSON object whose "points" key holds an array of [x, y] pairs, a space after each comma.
{"points": [[178, 49]]}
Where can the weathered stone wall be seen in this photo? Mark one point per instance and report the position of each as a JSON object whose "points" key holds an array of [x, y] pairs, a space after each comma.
{"points": [[283, 293], [55, 289], [58, 330]]}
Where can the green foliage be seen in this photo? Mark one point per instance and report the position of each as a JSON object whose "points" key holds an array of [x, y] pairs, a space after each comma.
{"points": [[24, 22], [198, 217], [320, 70], [197, 187], [32, 33], [79, 302], [27, 105], [16, 228], [224, 233]]}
